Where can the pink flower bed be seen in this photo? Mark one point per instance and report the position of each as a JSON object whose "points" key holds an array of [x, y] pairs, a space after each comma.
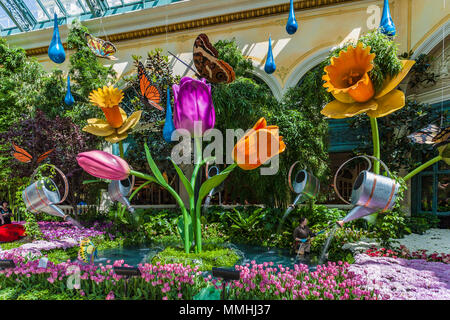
{"points": [[404, 279], [175, 281]]}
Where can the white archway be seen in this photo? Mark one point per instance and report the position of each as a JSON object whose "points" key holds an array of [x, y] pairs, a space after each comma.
{"points": [[270, 80], [432, 41], [313, 60]]}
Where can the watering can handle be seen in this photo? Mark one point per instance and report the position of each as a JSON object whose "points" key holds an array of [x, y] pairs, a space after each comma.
{"points": [[207, 168], [66, 183], [133, 180], [367, 158], [290, 174]]}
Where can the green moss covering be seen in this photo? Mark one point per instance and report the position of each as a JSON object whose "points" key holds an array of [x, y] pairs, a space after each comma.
{"points": [[219, 257]]}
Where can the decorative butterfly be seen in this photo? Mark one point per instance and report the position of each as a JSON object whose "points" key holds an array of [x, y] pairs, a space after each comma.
{"points": [[23, 156], [207, 62], [151, 96], [88, 251], [100, 47], [432, 134]]}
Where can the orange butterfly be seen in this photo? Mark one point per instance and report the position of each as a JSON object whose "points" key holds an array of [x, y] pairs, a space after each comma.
{"points": [[150, 93], [23, 156]]}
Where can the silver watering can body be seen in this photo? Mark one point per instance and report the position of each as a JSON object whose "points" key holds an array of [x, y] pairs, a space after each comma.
{"points": [[118, 190], [304, 184], [43, 196], [371, 193]]}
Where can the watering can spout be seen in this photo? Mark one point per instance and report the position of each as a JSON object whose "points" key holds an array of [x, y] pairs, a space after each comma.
{"points": [[56, 211], [340, 223], [118, 190], [356, 213], [73, 222]]}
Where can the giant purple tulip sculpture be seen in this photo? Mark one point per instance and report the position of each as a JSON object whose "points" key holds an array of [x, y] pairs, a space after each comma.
{"points": [[193, 106]]}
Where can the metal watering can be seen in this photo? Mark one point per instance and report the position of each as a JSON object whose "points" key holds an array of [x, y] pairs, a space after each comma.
{"points": [[118, 190], [304, 184], [371, 192], [43, 196]]}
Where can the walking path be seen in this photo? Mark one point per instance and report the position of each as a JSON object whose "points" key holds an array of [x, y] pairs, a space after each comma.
{"points": [[434, 240]]}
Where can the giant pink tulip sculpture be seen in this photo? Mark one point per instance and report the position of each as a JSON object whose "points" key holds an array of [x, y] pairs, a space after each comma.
{"points": [[194, 114], [103, 165]]}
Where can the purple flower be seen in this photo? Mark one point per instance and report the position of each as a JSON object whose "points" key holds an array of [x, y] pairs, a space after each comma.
{"points": [[193, 103]]}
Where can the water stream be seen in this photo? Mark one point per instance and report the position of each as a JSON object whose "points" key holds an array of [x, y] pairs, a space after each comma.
{"points": [[327, 245]]}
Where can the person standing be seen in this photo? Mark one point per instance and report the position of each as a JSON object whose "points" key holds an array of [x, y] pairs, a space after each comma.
{"points": [[302, 237], [5, 213]]}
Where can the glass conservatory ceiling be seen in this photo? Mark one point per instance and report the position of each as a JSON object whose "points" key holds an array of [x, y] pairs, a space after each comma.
{"points": [[27, 15]]}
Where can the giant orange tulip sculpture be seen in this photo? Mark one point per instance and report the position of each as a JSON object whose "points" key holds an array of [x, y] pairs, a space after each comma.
{"points": [[258, 146]]}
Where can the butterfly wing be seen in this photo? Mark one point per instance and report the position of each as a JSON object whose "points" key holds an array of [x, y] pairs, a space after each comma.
{"points": [[100, 47], [148, 90], [442, 137], [425, 135], [44, 155], [108, 49], [21, 154], [207, 63], [94, 44]]}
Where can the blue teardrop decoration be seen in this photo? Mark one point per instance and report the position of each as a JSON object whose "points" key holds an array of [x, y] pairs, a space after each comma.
{"points": [[387, 25], [270, 66], [292, 25], [69, 100], [56, 50], [169, 127]]}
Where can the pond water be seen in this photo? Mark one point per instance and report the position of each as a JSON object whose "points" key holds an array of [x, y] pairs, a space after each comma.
{"points": [[135, 255]]}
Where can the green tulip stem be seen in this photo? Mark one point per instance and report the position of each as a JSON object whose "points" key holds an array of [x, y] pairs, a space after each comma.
{"points": [[122, 154], [176, 197], [196, 217], [422, 167], [138, 189], [376, 144]]}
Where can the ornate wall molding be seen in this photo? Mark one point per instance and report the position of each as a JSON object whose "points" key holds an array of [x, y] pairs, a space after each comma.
{"points": [[211, 21]]}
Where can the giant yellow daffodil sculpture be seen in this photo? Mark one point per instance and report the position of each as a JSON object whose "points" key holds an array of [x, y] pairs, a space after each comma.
{"points": [[116, 126], [347, 78]]}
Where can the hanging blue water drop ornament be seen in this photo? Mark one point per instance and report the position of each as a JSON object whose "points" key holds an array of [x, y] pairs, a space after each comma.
{"points": [[56, 50], [270, 66], [169, 127], [387, 25], [292, 25], [69, 100]]}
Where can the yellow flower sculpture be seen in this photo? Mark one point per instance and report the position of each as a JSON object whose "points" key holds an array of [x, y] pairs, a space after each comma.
{"points": [[347, 78], [117, 124]]}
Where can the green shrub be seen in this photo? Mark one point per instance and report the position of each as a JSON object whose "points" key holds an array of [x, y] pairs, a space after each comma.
{"points": [[420, 224], [206, 260]]}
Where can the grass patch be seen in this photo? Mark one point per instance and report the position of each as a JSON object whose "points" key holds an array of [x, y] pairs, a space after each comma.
{"points": [[214, 257]]}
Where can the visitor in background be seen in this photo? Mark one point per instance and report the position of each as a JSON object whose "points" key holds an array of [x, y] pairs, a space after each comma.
{"points": [[5, 214], [302, 238]]}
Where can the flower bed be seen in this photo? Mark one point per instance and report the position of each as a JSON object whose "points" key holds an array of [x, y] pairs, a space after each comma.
{"points": [[57, 235], [403, 252], [175, 281], [404, 279], [331, 281]]}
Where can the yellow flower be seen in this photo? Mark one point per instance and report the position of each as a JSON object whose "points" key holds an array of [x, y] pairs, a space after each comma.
{"points": [[117, 124], [348, 80]]}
